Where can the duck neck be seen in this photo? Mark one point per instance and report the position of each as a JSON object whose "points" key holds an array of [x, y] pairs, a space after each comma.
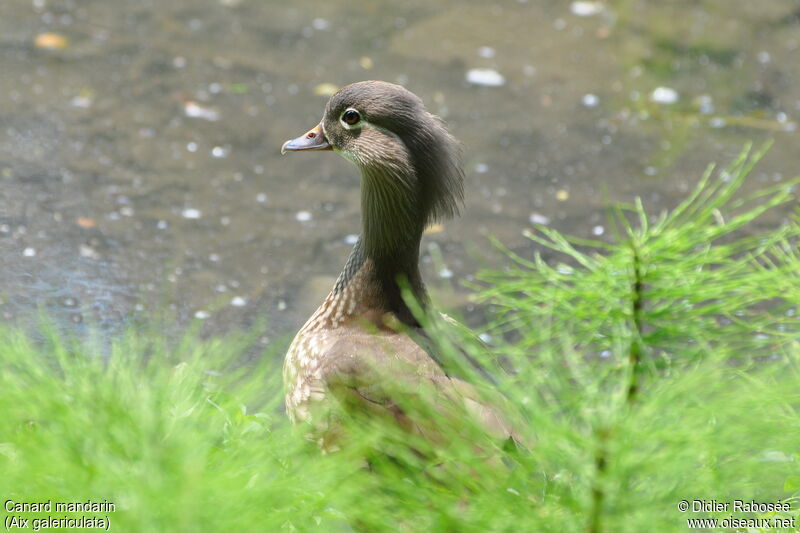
{"points": [[388, 248]]}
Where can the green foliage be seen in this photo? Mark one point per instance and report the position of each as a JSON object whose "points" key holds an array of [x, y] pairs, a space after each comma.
{"points": [[703, 283], [661, 368]]}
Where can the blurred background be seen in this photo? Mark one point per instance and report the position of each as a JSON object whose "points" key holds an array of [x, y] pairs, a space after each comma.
{"points": [[139, 141]]}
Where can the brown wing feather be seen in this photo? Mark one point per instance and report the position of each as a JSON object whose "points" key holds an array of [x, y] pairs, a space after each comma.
{"points": [[385, 375]]}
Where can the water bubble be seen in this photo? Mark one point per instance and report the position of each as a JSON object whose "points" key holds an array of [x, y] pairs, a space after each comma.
{"points": [[538, 218], [303, 216], [220, 152], [191, 213], [193, 109], [590, 100], [485, 77], [238, 301], [664, 95], [586, 9]]}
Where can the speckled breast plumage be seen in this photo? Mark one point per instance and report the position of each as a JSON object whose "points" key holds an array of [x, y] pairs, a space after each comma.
{"points": [[333, 320]]}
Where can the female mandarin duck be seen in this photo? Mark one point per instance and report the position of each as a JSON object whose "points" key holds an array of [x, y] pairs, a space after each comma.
{"points": [[356, 350]]}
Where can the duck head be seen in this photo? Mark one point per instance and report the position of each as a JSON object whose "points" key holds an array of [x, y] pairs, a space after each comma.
{"points": [[409, 163]]}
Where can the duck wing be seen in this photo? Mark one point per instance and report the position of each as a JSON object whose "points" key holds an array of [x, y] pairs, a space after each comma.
{"points": [[390, 376]]}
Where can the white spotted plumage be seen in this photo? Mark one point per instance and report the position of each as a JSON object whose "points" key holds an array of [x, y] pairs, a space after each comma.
{"points": [[301, 367]]}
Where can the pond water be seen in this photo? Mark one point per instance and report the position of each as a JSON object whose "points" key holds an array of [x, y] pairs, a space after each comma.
{"points": [[140, 169]]}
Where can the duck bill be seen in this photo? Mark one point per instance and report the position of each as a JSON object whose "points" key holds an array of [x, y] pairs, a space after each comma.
{"points": [[313, 139]]}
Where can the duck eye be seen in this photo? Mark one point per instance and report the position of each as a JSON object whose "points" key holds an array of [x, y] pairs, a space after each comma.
{"points": [[351, 117]]}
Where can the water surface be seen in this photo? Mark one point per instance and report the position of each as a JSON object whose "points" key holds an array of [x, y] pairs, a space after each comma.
{"points": [[139, 141]]}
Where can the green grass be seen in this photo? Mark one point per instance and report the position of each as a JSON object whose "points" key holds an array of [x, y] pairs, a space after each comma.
{"points": [[658, 369]]}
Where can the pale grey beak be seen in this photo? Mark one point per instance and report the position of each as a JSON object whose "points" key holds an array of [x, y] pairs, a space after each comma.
{"points": [[314, 139]]}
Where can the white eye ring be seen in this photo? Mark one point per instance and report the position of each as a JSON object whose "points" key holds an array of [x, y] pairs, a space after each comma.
{"points": [[350, 118]]}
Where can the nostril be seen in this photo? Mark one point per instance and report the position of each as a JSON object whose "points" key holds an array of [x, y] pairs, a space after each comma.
{"points": [[311, 135]]}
